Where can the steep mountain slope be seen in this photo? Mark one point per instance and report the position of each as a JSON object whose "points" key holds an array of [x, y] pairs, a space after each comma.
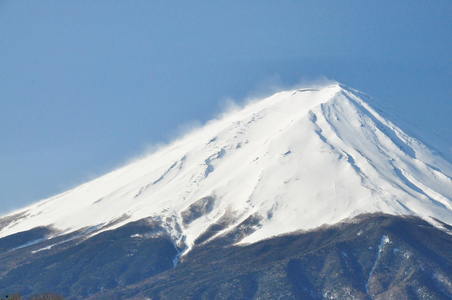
{"points": [[272, 180], [372, 257], [296, 160], [368, 257]]}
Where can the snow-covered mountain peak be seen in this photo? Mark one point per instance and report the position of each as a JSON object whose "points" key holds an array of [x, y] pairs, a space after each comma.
{"points": [[293, 161]]}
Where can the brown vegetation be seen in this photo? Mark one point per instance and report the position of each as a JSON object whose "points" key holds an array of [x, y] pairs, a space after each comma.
{"points": [[44, 296]]}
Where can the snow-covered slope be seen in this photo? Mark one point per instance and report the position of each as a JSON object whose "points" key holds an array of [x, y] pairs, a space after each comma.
{"points": [[295, 160]]}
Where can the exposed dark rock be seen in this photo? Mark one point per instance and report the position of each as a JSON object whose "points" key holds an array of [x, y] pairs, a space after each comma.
{"points": [[201, 207], [5, 221], [248, 226], [215, 228], [22, 239]]}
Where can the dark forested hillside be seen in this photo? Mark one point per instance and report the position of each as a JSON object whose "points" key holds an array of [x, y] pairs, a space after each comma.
{"points": [[371, 256]]}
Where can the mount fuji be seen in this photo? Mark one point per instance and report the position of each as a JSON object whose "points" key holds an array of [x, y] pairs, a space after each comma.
{"points": [[317, 165]]}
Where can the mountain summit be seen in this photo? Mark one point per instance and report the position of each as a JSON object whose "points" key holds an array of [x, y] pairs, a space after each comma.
{"points": [[293, 161], [307, 194]]}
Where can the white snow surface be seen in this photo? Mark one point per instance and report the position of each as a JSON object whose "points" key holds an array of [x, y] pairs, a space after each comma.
{"points": [[298, 159]]}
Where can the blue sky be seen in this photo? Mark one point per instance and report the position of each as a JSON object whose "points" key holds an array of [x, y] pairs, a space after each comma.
{"points": [[85, 86]]}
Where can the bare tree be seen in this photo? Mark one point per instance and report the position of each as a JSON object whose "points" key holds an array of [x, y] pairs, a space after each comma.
{"points": [[47, 296]]}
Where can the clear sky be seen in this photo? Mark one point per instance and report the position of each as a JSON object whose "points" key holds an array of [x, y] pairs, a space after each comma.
{"points": [[85, 86]]}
